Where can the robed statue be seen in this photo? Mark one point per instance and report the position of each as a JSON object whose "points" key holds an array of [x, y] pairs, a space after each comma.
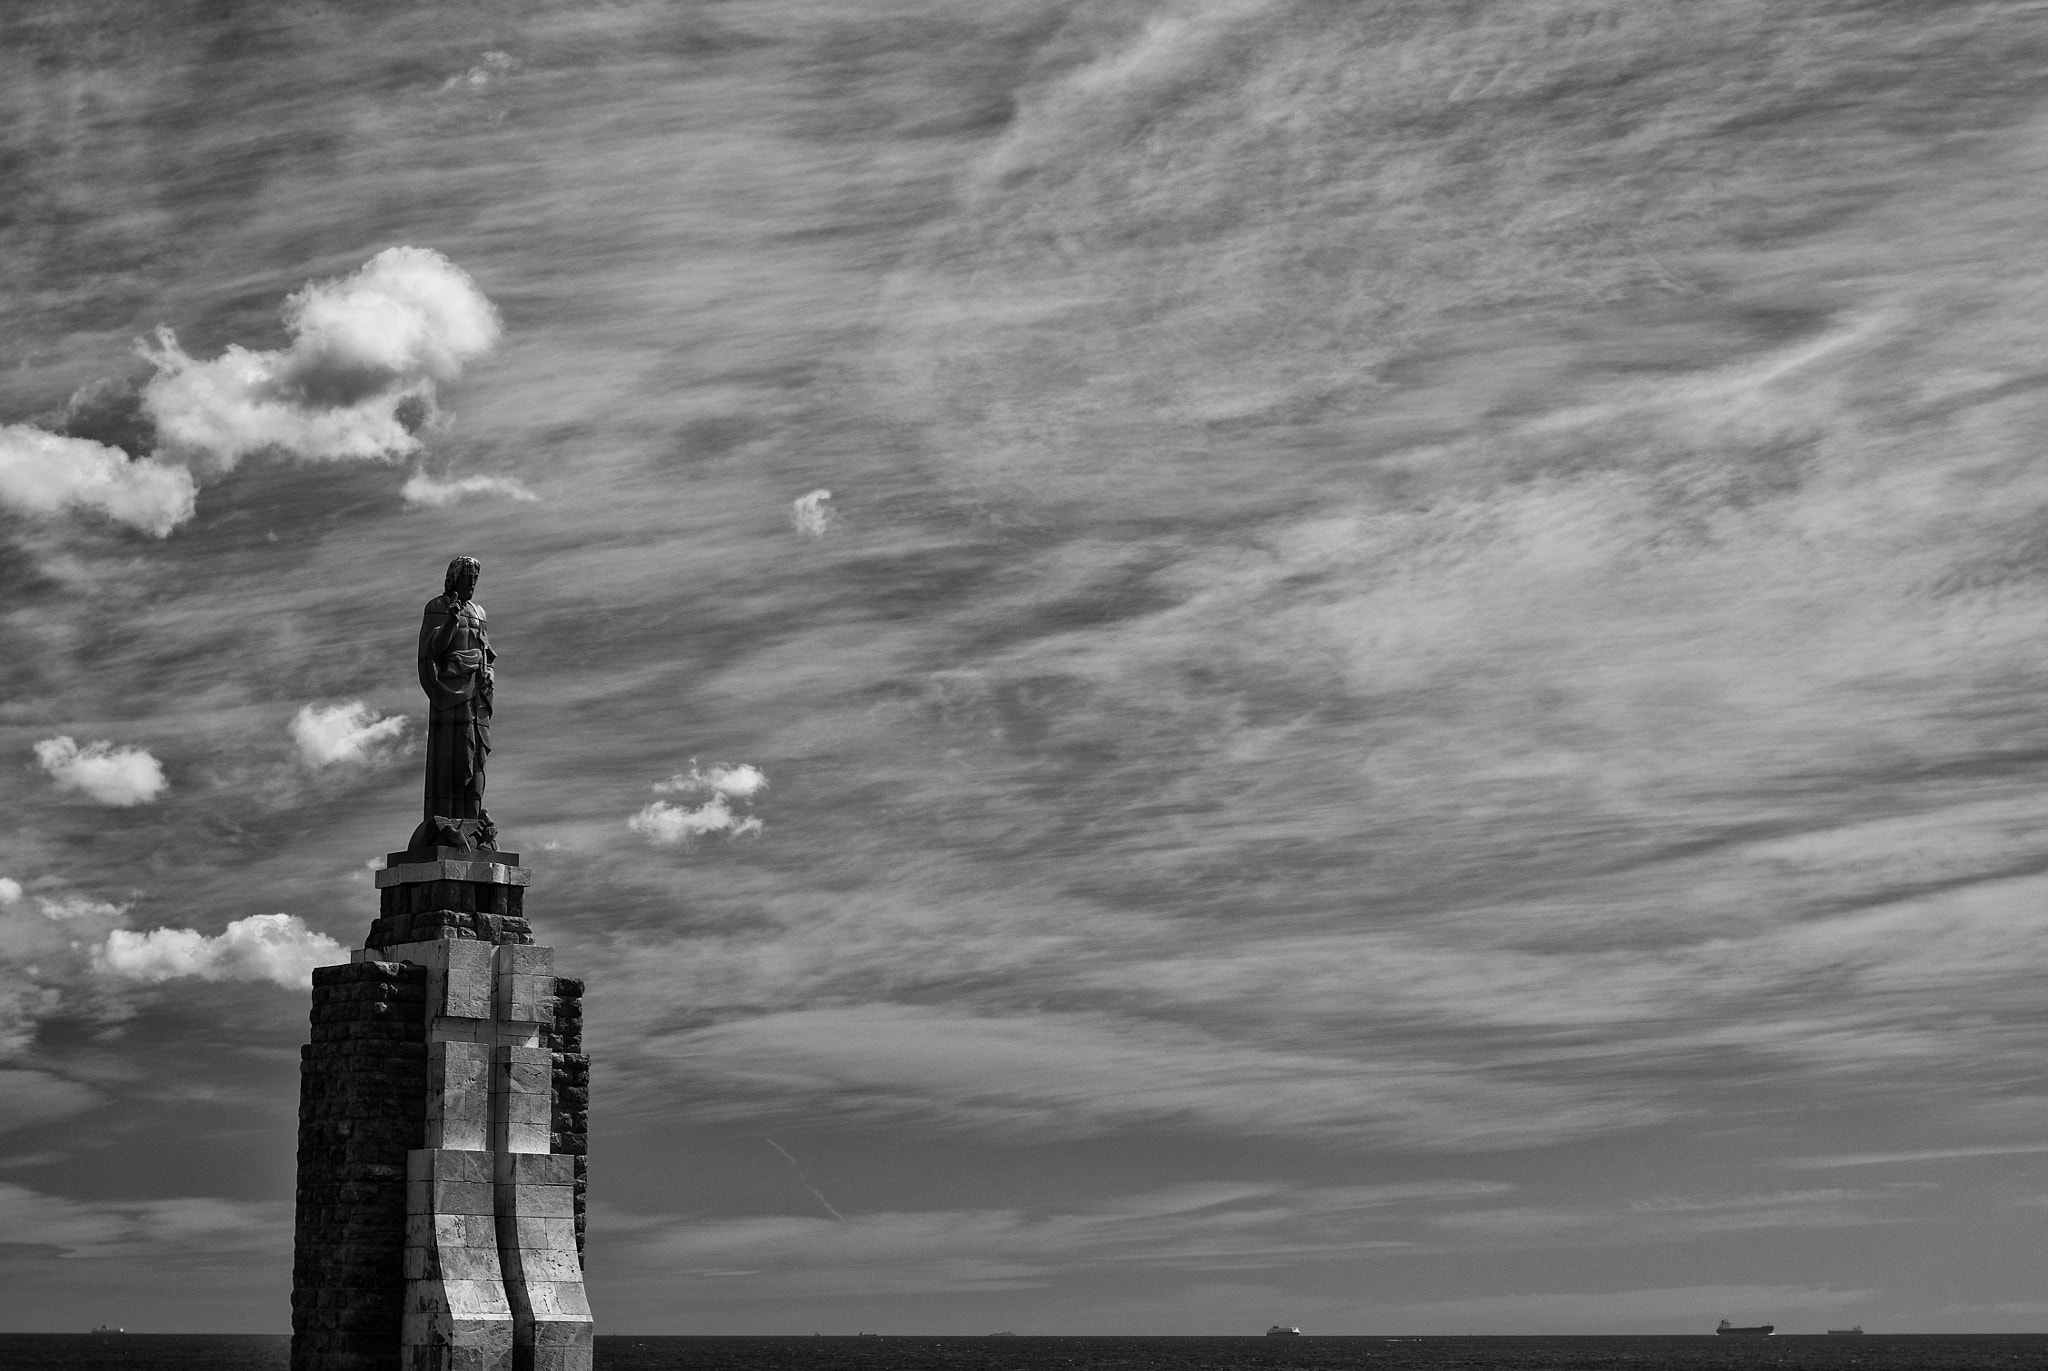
{"points": [[455, 671]]}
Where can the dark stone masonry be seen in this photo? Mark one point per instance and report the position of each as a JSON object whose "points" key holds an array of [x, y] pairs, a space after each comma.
{"points": [[361, 1109]]}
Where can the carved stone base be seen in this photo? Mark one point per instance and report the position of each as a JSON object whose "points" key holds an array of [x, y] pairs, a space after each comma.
{"points": [[466, 834]]}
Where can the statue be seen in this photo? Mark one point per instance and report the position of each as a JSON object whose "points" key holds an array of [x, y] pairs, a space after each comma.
{"points": [[455, 671]]}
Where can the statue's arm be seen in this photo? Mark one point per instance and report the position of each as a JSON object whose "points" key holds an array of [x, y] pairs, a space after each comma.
{"points": [[446, 682]]}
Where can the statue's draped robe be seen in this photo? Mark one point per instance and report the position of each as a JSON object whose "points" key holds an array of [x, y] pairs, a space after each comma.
{"points": [[455, 649]]}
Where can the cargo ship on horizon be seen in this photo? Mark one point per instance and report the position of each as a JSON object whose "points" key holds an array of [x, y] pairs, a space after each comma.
{"points": [[1762, 1330]]}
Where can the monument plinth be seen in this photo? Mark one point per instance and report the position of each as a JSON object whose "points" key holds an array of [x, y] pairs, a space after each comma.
{"points": [[443, 1110]]}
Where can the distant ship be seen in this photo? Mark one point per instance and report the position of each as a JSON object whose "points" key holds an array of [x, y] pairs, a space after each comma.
{"points": [[1855, 1332], [107, 1329], [1281, 1331], [1762, 1330]]}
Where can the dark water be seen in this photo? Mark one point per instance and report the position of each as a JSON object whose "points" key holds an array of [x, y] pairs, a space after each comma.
{"points": [[1903, 1352]]}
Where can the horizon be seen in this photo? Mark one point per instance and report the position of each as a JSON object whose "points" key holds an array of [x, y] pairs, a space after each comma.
{"points": [[1169, 664]]}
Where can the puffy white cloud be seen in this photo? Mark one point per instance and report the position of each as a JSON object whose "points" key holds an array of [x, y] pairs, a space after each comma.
{"points": [[10, 891], [811, 515], [262, 947], [366, 355], [342, 733], [69, 953], [42, 473], [423, 489], [666, 823], [119, 776], [740, 782]]}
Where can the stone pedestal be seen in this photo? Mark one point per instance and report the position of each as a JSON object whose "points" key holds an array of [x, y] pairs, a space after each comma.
{"points": [[442, 1117]]}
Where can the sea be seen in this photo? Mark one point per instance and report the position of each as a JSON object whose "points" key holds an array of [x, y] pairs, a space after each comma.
{"points": [[1807, 1352]]}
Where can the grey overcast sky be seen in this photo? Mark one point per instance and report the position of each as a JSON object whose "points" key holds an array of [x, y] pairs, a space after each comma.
{"points": [[1416, 705]]}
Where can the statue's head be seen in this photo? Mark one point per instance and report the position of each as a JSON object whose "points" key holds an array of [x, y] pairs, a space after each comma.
{"points": [[461, 579]]}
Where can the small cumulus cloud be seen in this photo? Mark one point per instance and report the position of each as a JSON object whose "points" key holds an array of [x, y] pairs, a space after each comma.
{"points": [[263, 947], [423, 490], [667, 824], [741, 782], [118, 776], [328, 735], [811, 514], [493, 66], [358, 379], [10, 891], [75, 909], [45, 473]]}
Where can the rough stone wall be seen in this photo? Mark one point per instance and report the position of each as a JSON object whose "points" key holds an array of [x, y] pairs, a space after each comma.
{"points": [[570, 1126], [363, 1085]]}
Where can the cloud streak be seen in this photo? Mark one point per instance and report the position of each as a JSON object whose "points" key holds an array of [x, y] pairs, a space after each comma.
{"points": [[1203, 1226], [429, 492], [1925, 1154], [172, 1229], [804, 1181], [1076, 1075]]}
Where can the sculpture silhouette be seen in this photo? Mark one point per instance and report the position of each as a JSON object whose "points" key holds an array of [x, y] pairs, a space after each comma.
{"points": [[456, 673]]}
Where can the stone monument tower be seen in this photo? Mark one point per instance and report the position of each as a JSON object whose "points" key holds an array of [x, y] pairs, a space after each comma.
{"points": [[444, 1096]]}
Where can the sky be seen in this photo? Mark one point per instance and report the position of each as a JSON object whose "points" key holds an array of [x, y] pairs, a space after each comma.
{"points": [[1171, 664]]}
